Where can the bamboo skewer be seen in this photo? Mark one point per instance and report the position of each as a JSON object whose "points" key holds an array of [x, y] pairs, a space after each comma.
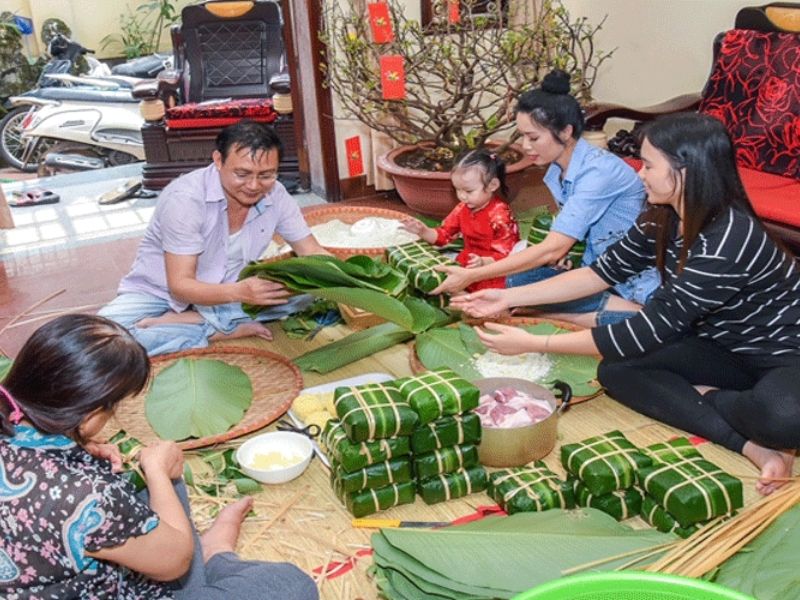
{"points": [[706, 550], [278, 514], [53, 314], [608, 559]]}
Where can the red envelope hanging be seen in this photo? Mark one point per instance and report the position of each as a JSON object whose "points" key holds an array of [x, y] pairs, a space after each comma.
{"points": [[393, 77], [355, 160], [380, 22], [454, 11]]}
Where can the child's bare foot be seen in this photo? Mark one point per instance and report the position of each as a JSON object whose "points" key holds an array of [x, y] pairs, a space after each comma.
{"points": [[776, 466], [188, 317], [224, 531], [245, 330]]}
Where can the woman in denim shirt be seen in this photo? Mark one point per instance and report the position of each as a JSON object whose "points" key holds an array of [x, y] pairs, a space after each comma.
{"points": [[599, 197]]}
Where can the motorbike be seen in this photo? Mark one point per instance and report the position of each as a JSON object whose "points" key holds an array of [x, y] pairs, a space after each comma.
{"points": [[92, 116]]}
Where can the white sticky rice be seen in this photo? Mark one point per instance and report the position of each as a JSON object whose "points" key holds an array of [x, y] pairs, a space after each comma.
{"points": [[532, 366]]}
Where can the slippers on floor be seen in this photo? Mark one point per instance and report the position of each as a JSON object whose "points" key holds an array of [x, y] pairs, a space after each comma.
{"points": [[124, 192], [33, 197]]}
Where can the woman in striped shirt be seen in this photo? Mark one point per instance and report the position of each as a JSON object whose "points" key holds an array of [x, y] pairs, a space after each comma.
{"points": [[716, 350]]}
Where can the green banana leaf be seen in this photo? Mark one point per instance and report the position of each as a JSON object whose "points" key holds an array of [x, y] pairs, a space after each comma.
{"points": [[354, 347], [767, 567], [462, 561], [5, 366], [307, 273], [410, 313], [456, 348], [197, 398]]}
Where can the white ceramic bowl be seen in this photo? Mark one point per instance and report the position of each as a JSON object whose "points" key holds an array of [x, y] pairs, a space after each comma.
{"points": [[286, 442]]}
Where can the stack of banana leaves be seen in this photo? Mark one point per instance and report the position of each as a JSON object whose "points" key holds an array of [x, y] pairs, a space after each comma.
{"points": [[500, 557], [359, 281]]}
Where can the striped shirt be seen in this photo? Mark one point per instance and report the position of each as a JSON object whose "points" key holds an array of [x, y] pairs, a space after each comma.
{"points": [[736, 288]]}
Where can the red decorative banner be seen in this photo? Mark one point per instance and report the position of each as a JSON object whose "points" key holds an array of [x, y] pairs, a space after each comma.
{"points": [[393, 77], [380, 22], [454, 11], [355, 159]]}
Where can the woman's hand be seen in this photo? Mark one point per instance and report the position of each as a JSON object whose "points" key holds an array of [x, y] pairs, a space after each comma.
{"points": [[483, 303], [162, 457], [107, 452], [506, 339], [458, 279]]}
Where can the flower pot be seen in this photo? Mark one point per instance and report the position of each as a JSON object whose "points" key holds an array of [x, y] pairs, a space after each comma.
{"points": [[431, 193]]}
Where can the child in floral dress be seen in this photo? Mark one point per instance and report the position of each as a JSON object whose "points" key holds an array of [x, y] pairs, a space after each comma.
{"points": [[72, 528], [482, 217]]}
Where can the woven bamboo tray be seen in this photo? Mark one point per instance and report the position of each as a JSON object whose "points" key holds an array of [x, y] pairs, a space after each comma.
{"points": [[349, 215], [417, 367], [275, 380]]}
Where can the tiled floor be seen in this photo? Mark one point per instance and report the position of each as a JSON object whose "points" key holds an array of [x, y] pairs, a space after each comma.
{"points": [[88, 274]]}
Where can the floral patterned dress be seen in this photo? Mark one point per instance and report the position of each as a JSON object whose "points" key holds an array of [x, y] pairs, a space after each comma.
{"points": [[490, 232], [56, 503]]}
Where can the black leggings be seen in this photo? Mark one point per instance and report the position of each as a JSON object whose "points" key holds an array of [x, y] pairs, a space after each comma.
{"points": [[755, 402]]}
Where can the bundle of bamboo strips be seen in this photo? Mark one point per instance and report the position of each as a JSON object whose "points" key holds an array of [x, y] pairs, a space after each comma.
{"points": [[712, 545]]}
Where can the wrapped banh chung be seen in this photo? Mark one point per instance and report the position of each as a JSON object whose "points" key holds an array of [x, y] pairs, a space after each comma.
{"points": [[604, 463], [676, 450], [445, 460], [373, 476], [620, 504], [529, 489], [655, 515], [693, 490], [352, 456], [449, 486], [447, 431], [368, 501], [438, 393], [418, 260], [373, 411]]}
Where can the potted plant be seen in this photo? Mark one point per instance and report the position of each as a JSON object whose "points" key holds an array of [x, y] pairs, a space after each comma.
{"points": [[462, 72]]}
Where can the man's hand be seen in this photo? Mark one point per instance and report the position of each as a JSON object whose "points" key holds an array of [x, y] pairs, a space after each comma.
{"points": [[261, 292]]}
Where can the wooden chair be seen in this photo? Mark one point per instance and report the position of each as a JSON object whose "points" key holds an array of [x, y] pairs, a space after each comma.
{"points": [[754, 90], [229, 65]]}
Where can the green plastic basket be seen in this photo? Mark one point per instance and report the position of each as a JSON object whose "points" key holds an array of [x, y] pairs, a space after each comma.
{"points": [[630, 585]]}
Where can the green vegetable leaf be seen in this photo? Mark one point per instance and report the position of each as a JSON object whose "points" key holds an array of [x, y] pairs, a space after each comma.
{"points": [[197, 398], [352, 348], [445, 348], [470, 339]]}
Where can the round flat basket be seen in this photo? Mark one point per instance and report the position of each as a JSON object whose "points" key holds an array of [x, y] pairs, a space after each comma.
{"points": [[417, 367], [275, 380], [631, 586], [349, 215]]}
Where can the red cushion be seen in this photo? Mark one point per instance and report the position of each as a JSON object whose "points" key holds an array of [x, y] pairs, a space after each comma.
{"points": [[754, 89], [220, 113], [774, 198]]}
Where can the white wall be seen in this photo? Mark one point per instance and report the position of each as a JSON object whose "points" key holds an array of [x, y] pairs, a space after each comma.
{"points": [[663, 46]]}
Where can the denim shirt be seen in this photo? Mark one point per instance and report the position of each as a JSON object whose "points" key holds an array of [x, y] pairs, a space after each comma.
{"points": [[191, 219], [599, 198]]}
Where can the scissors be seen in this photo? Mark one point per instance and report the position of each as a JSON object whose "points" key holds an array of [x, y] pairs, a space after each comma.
{"points": [[331, 317], [312, 430]]}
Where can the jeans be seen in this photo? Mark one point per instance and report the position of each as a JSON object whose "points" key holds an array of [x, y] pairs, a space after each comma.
{"points": [[129, 308], [590, 304]]}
